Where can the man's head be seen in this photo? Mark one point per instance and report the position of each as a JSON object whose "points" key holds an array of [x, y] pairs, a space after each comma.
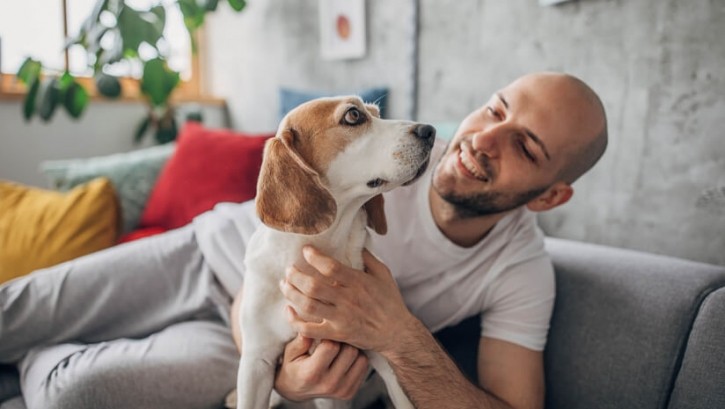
{"points": [[525, 146]]}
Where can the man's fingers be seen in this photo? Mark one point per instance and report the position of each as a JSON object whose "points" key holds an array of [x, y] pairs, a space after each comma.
{"points": [[308, 308], [356, 375], [313, 285], [344, 360], [373, 265], [297, 348], [317, 330], [325, 265]]}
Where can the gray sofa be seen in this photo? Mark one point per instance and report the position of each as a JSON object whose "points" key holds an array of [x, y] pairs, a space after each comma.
{"points": [[629, 330]]}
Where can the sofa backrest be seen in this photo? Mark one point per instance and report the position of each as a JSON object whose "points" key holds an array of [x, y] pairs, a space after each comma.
{"points": [[621, 329]]}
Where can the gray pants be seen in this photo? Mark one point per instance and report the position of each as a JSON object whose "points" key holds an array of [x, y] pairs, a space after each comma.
{"points": [[141, 325]]}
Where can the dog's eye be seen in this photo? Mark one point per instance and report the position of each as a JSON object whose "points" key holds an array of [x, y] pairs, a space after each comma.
{"points": [[353, 116], [376, 183]]}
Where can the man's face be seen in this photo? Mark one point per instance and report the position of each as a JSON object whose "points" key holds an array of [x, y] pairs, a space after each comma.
{"points": [[510, 150]]}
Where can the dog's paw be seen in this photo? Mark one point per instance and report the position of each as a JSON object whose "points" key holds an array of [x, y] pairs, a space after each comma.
{"points": [[231, 400]]}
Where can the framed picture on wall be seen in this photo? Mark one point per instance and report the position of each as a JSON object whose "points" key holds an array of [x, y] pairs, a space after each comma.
{"points": [[342, 29]]}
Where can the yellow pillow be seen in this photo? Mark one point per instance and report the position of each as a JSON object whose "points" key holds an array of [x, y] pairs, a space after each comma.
{"points": [[40, 228]]}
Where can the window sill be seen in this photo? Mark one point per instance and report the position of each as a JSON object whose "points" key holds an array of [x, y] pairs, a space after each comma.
{"points": [[10, 90]]}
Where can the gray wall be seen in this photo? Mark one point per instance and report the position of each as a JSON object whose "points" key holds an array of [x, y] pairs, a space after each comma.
{"points": [[104, 128], [658, 66]]}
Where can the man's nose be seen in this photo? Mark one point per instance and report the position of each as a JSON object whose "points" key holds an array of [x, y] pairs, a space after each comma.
{"points": [[488, 141]]}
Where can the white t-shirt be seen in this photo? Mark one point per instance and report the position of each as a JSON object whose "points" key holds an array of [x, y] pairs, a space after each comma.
{"points": [[507, 276]]}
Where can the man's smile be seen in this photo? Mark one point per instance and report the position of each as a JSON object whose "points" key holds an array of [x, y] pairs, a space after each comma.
{"points": [[468, 166]]}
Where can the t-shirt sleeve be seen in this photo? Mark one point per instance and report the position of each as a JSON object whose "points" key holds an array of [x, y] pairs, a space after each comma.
{"points": [[522, 300]]}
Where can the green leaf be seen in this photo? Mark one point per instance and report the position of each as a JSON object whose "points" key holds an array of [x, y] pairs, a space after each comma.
{"points": [[108, 85], [65, 81], [75, 100], [29, 71], [29, 103], [141, 129], [160, 22], [238, 5], [211, 5], [137, 27], [158, 81], [193, 14], [48, 98]]}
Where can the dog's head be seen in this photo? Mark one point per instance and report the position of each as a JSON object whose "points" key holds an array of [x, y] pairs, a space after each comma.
{"points": [[331, 153]]}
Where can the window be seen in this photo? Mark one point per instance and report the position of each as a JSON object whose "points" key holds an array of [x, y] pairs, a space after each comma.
{"points": [[38, 29]]}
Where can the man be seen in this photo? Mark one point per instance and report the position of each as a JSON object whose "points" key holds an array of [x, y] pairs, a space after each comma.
{"points": [[147, 324], [522, 150]]}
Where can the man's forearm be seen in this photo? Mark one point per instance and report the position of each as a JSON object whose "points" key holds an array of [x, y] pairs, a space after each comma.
{"points": [[430, 378]]}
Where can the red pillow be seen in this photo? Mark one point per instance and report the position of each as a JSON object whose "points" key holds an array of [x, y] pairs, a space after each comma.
{"points": [[208, 166]]}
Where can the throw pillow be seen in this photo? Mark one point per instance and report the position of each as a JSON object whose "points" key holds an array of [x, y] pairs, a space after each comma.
{"points": [[133, 175], [209, 166], [290, 98], [40, 228]]}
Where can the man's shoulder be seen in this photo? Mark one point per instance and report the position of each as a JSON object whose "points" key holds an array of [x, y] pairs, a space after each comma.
{"points": [[525, 241]]}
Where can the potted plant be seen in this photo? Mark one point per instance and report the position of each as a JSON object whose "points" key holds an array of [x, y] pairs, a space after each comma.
{"points": [[113, 32]]}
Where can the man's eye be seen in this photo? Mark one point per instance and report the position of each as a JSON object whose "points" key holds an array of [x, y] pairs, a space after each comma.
{"points": [[493, 112], [353, 116], [526, 152]]}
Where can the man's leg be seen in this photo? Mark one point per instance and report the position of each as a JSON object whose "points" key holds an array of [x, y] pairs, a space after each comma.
{"points": [[187, 365], [128, 291]]}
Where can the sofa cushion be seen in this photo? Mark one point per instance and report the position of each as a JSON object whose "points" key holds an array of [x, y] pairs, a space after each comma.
{"points": [[620, 324], [40, 228], [133, 175], [208, 166], [701, 379], [291, 98]]}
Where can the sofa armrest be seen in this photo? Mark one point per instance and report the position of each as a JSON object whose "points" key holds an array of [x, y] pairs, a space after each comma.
{"points": [[620, 325], [701, 379]]}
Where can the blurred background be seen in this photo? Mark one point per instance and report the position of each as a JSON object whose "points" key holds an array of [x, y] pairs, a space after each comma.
{"points": [[658, 66]]}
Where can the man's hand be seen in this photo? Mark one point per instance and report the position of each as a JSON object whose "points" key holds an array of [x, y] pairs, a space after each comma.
{"points": [[329, 300], [332, 370]]}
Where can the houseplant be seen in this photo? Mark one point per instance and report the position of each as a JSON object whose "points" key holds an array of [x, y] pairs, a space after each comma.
{"points": [[113, 32]]}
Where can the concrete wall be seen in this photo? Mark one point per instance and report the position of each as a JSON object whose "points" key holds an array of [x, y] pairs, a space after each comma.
{"points": [[658, 66]]}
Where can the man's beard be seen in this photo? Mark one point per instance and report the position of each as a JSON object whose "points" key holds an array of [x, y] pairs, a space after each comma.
{"points": [[488, 203]]}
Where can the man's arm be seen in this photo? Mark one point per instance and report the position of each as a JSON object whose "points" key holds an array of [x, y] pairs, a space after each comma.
{"points": [[365, 309]]}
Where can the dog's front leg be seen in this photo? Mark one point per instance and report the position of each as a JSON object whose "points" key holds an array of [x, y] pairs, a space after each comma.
{"points": [[395, 391], [255, 378]]}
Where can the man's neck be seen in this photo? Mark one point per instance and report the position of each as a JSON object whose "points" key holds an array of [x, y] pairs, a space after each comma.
{"points": [[465, 232]]}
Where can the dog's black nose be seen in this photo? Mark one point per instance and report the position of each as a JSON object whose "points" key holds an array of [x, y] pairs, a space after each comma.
{"points": [[425, 132]]}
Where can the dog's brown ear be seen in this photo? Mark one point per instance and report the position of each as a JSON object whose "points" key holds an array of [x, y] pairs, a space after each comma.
{"points": [[373, 109], [375, 209], [290, 194]]}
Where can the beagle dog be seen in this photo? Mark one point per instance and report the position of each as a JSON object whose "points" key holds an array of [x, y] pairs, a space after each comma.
{"points": [[321, 183]]}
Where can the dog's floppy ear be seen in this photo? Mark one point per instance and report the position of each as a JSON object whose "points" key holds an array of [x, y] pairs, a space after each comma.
{"points": [[290, 194], [375, 209], [373, 109]]}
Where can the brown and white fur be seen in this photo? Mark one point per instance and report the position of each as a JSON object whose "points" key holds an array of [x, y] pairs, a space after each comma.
{"points": [[321, 183]]}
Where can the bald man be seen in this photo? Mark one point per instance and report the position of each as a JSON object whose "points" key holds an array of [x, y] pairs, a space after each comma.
{"points": [[462, 243]]}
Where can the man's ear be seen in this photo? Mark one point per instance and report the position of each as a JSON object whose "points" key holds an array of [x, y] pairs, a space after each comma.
{"points": [[556, 195]]}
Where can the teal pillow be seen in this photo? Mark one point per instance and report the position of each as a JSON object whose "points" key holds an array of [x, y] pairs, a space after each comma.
{"points": [[290, 98], [133, 175]]}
